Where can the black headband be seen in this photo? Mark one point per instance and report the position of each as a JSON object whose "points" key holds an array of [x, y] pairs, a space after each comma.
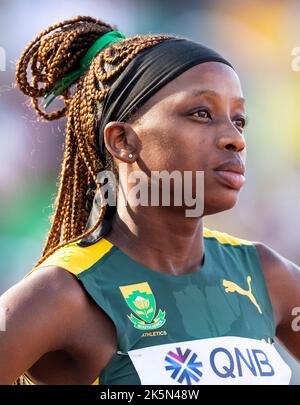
{"points": [[149, 71]]}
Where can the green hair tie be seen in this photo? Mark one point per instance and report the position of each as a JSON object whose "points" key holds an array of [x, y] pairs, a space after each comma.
{"points": [[71, 77]]}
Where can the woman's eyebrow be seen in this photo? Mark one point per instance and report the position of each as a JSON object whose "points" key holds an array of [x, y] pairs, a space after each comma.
{"points": [[212, 93]]}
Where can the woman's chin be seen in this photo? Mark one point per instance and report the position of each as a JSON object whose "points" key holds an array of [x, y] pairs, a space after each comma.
{"points": [[222, 202]]}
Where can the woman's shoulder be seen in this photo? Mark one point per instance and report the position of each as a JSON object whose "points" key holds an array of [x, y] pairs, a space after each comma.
{"points": [[49, 311], [55, 288], [39, 315]]}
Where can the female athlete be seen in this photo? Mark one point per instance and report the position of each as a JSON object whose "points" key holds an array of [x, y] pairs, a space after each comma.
{"points": [[144, 293]]}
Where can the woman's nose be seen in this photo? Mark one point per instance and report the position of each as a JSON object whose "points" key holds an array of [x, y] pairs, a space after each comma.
{"points": [[232, 139]]}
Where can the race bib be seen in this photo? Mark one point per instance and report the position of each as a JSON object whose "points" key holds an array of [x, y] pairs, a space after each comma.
{"points": [[221, 360]]}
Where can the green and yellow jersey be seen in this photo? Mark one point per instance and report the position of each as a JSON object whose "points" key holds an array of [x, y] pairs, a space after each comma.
{"points": [[182, 329]]}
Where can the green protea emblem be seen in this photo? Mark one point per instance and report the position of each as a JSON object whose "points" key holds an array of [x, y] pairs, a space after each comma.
{"points": [[141, 301]]}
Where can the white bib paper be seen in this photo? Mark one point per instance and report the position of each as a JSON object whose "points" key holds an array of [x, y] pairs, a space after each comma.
{"points": [[221, 360]]}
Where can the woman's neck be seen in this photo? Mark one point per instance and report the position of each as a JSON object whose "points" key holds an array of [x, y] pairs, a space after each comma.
{"points": [[159, 238]]}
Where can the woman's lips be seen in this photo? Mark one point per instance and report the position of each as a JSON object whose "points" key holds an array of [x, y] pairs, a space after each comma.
{"points": [[231, 179]]}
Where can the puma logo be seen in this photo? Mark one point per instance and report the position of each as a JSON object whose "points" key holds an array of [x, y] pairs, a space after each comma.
{"points": [[231, 287]]}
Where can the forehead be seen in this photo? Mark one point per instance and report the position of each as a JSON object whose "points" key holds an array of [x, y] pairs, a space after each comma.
{"points": [[216, 77]]}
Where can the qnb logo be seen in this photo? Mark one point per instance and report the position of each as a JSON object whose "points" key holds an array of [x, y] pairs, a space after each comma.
{"points": [[185, 367], [232, 364]]}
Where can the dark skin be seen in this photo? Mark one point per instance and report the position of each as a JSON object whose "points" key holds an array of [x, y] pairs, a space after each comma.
{"points": [[174, 130]]}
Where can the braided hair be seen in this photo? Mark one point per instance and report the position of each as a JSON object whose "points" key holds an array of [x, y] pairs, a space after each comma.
{"points": [[56, 51]]}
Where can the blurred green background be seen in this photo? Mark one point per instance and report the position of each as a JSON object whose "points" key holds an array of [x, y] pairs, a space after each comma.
{"points": [[257, 37]]}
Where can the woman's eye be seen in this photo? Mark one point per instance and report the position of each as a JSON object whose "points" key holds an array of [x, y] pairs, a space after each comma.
{"points": [[202, 114], [240, 122]]}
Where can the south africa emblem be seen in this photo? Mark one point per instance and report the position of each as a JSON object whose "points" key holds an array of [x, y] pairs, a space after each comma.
{"points": [[141, 301]]}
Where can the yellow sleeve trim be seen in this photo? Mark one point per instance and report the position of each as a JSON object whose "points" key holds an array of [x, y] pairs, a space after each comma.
{"points": [[96, 382], [223, 237], [30, 382], [76, 258]]}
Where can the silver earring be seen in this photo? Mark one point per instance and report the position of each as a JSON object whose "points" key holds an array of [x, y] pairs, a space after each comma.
{"points": [[130, 155]]}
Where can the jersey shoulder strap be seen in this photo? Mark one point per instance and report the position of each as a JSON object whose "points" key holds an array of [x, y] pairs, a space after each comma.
{"points": [[225, 238], [75, 258]]}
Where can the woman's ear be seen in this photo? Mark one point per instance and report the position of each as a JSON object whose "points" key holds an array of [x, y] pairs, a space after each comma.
{"points": [[121, 141]]}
